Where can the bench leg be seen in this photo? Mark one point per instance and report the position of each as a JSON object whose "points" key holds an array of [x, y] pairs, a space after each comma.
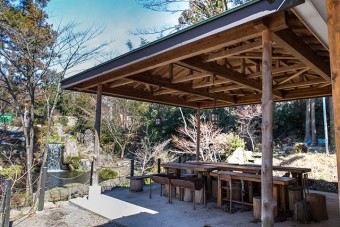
{"points": [[170, 193], [193, 198], [161, 189], [150, 190]]}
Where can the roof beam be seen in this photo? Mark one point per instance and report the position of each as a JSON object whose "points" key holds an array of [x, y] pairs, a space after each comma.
{"points": [[210, 83], [227, 73], [279, 70], [166, 83], [141, 95], [120, 82], [230, 52], [300, 84], [294, 75], [188, 78], [298, 48]]}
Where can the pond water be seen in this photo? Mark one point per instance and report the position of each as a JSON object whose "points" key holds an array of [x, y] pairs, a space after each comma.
{"points": [[60, 178]]}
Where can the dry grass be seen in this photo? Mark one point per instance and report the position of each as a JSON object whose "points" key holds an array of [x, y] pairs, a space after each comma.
{"points": [[323, 166]]}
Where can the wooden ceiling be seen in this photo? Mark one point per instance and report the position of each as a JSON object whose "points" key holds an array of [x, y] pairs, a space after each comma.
{"points": [[225, 69]]}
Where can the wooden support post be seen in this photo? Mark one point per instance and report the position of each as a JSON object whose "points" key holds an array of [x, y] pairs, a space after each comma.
{"points": [[91, 174], [198, 135], [95, 174], [268, 203], [6, 205], [132, 168], [42, 189], [333, 9], [159, 165]]}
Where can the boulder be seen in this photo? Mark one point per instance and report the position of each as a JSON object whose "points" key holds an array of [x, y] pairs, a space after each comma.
{"points": [[237, 156], [85, 164], [49, 205], [89, 139], [71, 148], [72, 121]]}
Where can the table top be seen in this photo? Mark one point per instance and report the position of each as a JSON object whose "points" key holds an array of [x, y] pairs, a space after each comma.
{"points": [[251, 167], [254, 177], [197, 168]]}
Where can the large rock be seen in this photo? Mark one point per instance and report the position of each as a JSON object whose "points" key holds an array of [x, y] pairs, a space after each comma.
{"points": [[237, 156], [72, 121], [85, 164], [71, 148], [59, 129], [89, 139]]}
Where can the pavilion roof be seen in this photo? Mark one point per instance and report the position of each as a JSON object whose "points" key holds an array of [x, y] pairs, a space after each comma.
{"points": [[219, 59]]}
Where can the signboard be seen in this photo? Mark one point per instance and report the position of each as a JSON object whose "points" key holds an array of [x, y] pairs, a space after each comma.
{"points": [[6, 118]]}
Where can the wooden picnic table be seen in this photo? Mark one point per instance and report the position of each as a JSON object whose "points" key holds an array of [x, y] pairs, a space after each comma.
{"points": [[280, 182], [296, 172], [195, 168]]}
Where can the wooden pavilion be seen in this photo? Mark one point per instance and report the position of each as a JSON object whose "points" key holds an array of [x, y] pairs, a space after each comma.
{"points": [[260, 52]]}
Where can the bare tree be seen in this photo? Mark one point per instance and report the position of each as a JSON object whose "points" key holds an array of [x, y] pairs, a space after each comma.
{"points": [[248, 117], [122, 120], [148, 152], [186, 142], [35, 58]]}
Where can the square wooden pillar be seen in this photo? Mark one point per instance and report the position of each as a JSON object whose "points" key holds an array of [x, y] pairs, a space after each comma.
{"points": [[95, 169], [333, 9]]}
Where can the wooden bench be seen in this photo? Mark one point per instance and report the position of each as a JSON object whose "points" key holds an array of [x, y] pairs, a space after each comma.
{"points": [[137, 182], [163, 179], [192, 183]]}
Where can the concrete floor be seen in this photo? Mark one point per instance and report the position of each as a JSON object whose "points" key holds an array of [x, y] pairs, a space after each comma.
{"points": [[136, 209]]}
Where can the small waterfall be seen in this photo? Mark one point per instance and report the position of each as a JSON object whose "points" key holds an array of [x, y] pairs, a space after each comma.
{"points": [[54, 158]]}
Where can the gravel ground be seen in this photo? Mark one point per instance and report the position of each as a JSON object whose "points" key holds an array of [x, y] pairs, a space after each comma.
{"points": [[66, 216]]}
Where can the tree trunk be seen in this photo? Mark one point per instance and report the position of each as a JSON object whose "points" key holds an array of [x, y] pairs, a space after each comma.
{"points": [[312, 107], [268, 203], [307, 129], [331, 124]]}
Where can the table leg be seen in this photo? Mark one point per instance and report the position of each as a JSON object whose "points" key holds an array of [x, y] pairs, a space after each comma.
{"points": [[283, 199], [275, 197], [250, 191], [209, 185]]}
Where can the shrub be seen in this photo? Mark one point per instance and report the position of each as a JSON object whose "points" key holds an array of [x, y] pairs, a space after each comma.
{"points": [[63, 120], [300, 148], [11, 172], [107, 174], [230, 142], [74, 162]]}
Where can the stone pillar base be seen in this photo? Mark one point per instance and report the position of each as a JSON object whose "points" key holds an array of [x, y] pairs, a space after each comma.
{"points": [[94, 192]]}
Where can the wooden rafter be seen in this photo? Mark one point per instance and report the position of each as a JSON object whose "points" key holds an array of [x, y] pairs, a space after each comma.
{"points": [[282, 69], [189, 78], [301, 84], [227, 73], [141, 95], [294, 75], [166, 83], [298, 48], [120, 82], [210, 83], [230, 52]]}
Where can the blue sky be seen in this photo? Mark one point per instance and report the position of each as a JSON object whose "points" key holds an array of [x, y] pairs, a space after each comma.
{"points": [[118, 17]]}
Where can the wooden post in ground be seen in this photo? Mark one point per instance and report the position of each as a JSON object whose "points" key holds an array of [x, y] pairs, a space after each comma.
{"points": [[132, 168], [95, 176], [268, 202], [42, 189], [333, 9], [198, 134], [6, 204], [159, 165]]}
